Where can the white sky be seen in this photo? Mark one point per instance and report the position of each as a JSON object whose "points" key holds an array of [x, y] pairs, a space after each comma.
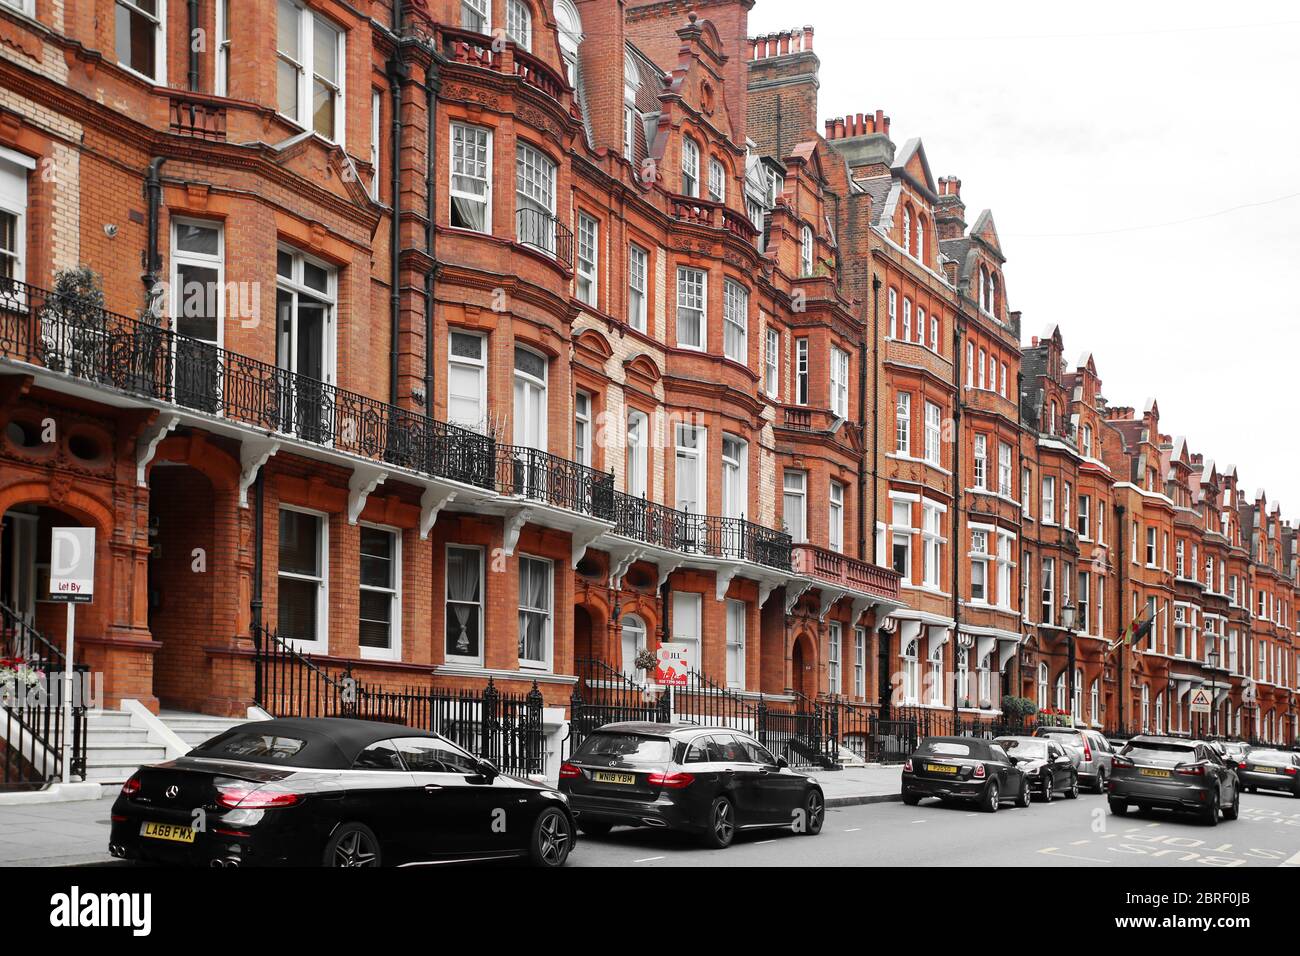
{"points": [[1090, 131]]}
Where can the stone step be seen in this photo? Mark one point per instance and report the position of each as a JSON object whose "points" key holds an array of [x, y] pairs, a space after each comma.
{"points": [[100, 753], [117, 736], [108, 718]]}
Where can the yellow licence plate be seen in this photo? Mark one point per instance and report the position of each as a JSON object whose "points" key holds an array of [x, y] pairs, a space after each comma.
{"points": [[1149, 772], [1264, 769], [168, 831], [939, 768], [604, 776]]}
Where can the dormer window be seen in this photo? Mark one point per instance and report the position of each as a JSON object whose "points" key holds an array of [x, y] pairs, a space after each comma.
{"points": [[690, 167], [806, 252], [631, 81], [570, 24]]}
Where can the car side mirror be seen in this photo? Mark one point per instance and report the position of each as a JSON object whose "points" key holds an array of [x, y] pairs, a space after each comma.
{"points": [[782, 763], [1063, 759], [487, 770]]}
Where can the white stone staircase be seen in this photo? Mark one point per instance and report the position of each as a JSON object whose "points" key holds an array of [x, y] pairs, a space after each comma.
{"points": [[119, 741]]}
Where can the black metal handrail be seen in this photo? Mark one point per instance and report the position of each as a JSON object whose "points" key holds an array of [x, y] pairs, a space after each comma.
{"points": [[501, 727], [549, 479], [540, 230], [733, 538]]}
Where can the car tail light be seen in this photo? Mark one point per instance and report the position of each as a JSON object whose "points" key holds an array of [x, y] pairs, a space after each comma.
{"points": [[569, 772], [245, 797], [671, 781], [1121, 762], [907, 765], [1191, 770], [979, 771], [1291, 771], [132, 786], [1087, 753]]}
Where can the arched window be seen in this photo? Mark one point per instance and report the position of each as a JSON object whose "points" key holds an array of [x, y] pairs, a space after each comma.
{"points": [[1146, 708], [936, 674], [1076, 709], [690, 167], [992, 307], [1060, 691], [1042, 687], [907, 228], [911, 683], [1094, 702], [984, 288], [519, 24], [570, 24], [806, 251], [634, 635], [920, 237], [963, 676]]}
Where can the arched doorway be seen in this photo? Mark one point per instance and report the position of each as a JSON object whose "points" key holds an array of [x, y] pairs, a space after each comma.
{"points": [[803, 667], [583, 649], [25, 535]]}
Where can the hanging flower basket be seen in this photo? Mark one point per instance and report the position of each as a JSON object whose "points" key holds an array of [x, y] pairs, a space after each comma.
{"points": [[646, 660], [17, 677]]}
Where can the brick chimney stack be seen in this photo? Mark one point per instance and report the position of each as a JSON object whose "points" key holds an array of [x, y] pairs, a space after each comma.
{"points": [[782, 88], [862, 139], [950, 210]]}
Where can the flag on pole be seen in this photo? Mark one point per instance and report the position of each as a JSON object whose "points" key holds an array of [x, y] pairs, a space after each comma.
{"points": [[1136, 631]]}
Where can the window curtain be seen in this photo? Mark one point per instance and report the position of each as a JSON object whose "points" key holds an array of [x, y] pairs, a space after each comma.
{"points": [[534, 603], [462, 586]]}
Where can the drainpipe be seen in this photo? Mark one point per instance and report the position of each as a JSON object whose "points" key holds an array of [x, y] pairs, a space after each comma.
{"points": [[875, 416], [153, 259], [255, 605], [397, 72], [958, 328], [194, 52], [1122, 566], [432, 83]]}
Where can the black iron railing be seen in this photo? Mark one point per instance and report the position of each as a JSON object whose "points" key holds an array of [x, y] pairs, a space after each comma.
{"points": [[501, 727], [542, 231], [549, 479], [604, 695], [732, 538], [32, 717]]}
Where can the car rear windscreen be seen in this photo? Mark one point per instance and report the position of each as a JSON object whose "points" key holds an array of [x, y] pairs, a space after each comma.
{"points": [[1029, 749], [945, 748], [629, 748], [1269, 756], [237, 744], [1151, 750]]}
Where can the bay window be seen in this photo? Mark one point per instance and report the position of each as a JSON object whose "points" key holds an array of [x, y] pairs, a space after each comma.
{"points": [[795, 504], [309, 70], [638, 262], [981, 461], [1048, 503], [901, 539], [690, 168], [933, 433], [772, 363], [1004, 469], [835, 517], [839, 382], [801, 381], [587, 272], [471, 177], [519, 24], [638, 435], [692, 317], [903, 424], [535, 199], [979, 567]]}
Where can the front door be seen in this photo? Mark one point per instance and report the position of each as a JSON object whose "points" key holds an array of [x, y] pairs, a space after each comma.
{"points": [[18, 589]]}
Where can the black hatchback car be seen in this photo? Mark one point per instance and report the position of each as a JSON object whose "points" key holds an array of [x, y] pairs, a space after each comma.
{"points": [[964, 768], [709, 781], [1045, 762], [334, 792], [1264, 768]]}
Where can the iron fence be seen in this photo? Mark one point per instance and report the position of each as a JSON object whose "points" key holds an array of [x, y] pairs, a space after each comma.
{"points": [[542, 231], [501, 727]]}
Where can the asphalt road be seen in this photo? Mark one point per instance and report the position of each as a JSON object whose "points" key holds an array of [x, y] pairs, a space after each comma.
{"points": [[1063, 833]]}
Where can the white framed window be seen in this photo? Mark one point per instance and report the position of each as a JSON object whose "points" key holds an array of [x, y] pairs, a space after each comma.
{"points": [[735, 476], [1085, 441], [1048, 592], [980, 370], [1048, 503], [835, 517], [471, 178], [772, 363], [1084, 602], [893, 314], [717, 181], [903, 423], [534, 198], [588, 258], [907, 229], [629, 127], [920, 324], [970, 365], [221, 68], [14, 169], [638, 267], [310, 70], [582, 428], [801, 380], [376, 108], [379, 613], [933, 433], [936, 680], [532, 373], [1004, 469], [198, 281], [1026, 483], [901, 532], [934, 332], [1152, 555], [692, 441], [141, 38], [736, 644], [570, 30], [911, 673], [906, 334], [633, 643], [735, 321], [476, 15], [638, 456], [834, 651], [806, 251], [467, 380], [464, 602], [690, 167], [1002, 381], [981, 461], [859, 662], [839, 382], [1003, 598], [519, 24], [1041, 685], [692, 313], [302, 601], [305, 301], [1067, 496], [687, 623], [536, 598], [931, 544], [979, 567], [794, 504]]}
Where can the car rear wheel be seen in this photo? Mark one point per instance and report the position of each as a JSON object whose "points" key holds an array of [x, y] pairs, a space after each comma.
{"points": [[1047, 788], [814, 808], [1101, 781], [1022, 798], [352, 845], [1211, 815], [722, 824], [992, 797], [1073, 792], [1118, 807], [595, 828], [910, 799], [1234, 811], [552, 838]]}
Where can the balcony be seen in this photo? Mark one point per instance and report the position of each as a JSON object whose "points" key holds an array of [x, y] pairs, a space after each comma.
{"points": [[541, 231], [714, 536], [845, 573], [479, 50], [549, 479], [708, 212], [198, 117]]}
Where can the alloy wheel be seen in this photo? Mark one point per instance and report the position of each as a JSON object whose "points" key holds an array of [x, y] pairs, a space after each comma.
{"points": [[1047, 789], [816, 810], [553, 838], [355, 849], [724, 826]]}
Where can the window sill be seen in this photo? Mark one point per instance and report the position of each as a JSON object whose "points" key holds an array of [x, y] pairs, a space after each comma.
{"points": [[451, 669]]}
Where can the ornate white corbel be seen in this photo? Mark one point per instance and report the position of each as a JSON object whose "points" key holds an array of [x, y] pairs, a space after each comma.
{"points": [[794, 590], [253, 454], [668, 567], [364, 480], [618, 565], [724, 579], [583, 541], [860, 606], [146, 446], [431, 504], [829, 597], [514, 524], [765, 589]]}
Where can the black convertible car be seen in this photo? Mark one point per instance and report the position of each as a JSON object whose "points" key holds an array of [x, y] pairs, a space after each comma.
{"points": [[335, 792]]}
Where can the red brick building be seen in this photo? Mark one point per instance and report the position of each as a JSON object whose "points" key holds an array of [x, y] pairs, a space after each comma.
{"points": [[457, 341]]}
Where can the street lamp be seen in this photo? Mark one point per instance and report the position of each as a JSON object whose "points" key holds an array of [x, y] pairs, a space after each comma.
{"points": [[1212, 662], [1067, 623]]}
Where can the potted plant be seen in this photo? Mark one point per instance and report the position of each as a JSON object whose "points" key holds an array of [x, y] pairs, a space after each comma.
{"points": [[72, 318], [17, 676]]}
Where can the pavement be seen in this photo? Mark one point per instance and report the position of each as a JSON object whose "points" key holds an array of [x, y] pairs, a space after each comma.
{"points": [[76, 833]]}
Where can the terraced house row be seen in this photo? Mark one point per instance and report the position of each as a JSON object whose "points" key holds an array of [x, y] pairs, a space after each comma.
{"points": [[464, 351]]}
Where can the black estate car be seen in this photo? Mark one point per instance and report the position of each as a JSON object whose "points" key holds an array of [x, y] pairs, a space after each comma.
{"points": [[1174, 773], [1264, 768], [710, 781], [334, 792], [1045, 762], [964, 768]]}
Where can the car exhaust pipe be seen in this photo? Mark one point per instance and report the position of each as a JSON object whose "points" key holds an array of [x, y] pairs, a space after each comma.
{"points": [[652, 822], [217, 863]]}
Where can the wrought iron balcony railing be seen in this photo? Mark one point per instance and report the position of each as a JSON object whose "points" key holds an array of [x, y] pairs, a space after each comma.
{"points": [[150, 361], [542, 231], [549, 479], [712, 535]]}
